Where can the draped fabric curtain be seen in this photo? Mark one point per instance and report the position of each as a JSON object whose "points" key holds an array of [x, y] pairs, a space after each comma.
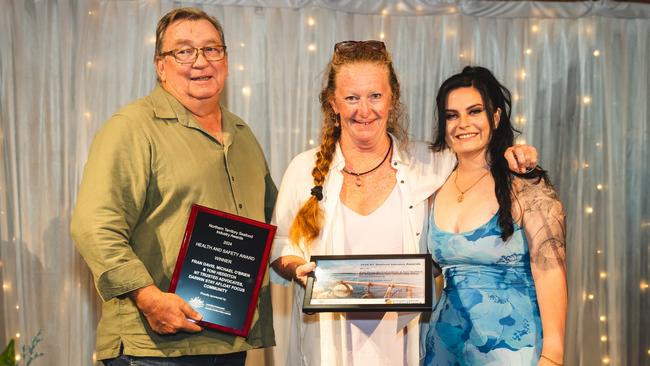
{"points": [[578, 72]]}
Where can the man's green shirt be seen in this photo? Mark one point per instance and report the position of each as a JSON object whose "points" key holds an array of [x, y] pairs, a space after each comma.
{"points": [[147, 165]]}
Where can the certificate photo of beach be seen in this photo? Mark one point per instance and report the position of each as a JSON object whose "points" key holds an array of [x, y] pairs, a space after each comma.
{"points": [[367, 281]]}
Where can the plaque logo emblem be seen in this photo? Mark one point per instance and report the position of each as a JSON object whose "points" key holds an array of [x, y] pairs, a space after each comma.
{"points": [[196, 303]]}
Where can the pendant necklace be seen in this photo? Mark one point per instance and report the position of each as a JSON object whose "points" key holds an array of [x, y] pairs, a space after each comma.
{"points": [[461, 196], [358, 176]]}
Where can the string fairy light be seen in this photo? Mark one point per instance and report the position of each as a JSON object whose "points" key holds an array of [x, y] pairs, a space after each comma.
{"points": [[242, 45], [528, 51], [534, 28], [603, 318], [599, 187], [246, 91], [606, 360], [603, 275], [586, 99], [311, 47], [384, 12], [603, 338], [17, 335], [240, 67], [311, 21], [596, 53], [382, 35], [589, 210], [590, 296]]}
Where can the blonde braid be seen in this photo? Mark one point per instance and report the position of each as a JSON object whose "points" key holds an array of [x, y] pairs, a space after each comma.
{"points": [[309, 220]]}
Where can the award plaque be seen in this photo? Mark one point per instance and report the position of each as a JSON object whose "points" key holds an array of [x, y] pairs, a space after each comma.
{"points": [[220, 268], [369, 283]]}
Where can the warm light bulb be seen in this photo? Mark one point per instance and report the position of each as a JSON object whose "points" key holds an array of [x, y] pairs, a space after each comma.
{"points": [[384, 12], [522, 74], [17, 335], [603, 274], [599, 144], [311, 141], [452, 9], [311, 47], [528, 51], [17, 307], [151, 39], [89, 64], [596, 53], [585, 165], [87, 115], [515, 97], [534, 29], [382, 35], [586, 100], [242, 44], [240, 67], [606, 360], [462, 55], [599, 187], [643, 286], [603, 338], [598, 251], [246, 91], [311, 21], [590, 297], [17, 357], [603, 318], [589, 209]]}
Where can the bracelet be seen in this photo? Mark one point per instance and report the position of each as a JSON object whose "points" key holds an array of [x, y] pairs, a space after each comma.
{"points": [[551, 361], [528, 172]]}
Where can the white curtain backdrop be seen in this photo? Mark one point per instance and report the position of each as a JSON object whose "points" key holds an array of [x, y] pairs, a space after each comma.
{"points": [[579, 73]]}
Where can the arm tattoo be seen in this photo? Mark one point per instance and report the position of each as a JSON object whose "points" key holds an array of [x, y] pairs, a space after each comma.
{"points": [[544, 224]]}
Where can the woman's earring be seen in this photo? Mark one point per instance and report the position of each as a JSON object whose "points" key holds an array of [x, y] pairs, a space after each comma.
{"points": [[337, 123]]}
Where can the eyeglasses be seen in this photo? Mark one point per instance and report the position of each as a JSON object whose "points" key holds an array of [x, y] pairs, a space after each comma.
{"points": [[188, 55], [347, 46]]}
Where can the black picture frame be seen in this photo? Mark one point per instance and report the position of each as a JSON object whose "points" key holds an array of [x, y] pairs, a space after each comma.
{"points": [[220, 267], [374, 283]]}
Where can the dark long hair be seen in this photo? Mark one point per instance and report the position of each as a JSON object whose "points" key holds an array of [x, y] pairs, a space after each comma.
{"points": [[495, 96]]}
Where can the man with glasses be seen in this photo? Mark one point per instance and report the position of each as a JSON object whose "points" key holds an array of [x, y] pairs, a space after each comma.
{"points": [[148, 164]]}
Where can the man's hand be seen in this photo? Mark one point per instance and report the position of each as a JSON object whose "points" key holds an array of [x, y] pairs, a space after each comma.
{"points": [[166, 313], [521, 158]]}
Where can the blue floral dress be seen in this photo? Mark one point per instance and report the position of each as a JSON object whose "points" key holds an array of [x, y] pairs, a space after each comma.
{"points": [[488, 312]]}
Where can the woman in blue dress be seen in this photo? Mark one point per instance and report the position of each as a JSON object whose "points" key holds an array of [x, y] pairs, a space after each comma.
{"points": [[499, 238]]}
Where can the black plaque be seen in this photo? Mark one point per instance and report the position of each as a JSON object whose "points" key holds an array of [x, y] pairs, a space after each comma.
{"points": [[369, 283], [221, 266]]}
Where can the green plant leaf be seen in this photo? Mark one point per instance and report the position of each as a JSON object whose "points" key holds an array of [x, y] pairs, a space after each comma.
{"points": [[8, 358]]}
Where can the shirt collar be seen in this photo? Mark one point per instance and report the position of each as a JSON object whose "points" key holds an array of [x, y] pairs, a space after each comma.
{"points": [[166, 106]]}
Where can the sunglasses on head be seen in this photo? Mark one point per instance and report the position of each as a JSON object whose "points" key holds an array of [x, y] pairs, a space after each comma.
{"points": [[347, 46]]}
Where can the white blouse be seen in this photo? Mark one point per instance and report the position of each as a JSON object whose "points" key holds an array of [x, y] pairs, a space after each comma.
{"points": [[320, 339]]}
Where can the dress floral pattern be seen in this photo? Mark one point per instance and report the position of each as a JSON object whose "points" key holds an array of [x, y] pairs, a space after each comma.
{"points": [[488, 312]]}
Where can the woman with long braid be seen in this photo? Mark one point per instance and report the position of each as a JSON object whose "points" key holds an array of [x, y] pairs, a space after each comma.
{"points": [[363, 191]]}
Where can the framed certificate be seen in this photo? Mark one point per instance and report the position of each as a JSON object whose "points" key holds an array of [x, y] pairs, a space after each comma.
{"points": [[369, 283], [220, 267]]}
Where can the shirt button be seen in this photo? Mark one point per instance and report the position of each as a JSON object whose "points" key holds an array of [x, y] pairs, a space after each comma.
{"points": [[401, 181], [395, 163], [232, 178], [417, 234], [240, 205], [410, 206]]}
